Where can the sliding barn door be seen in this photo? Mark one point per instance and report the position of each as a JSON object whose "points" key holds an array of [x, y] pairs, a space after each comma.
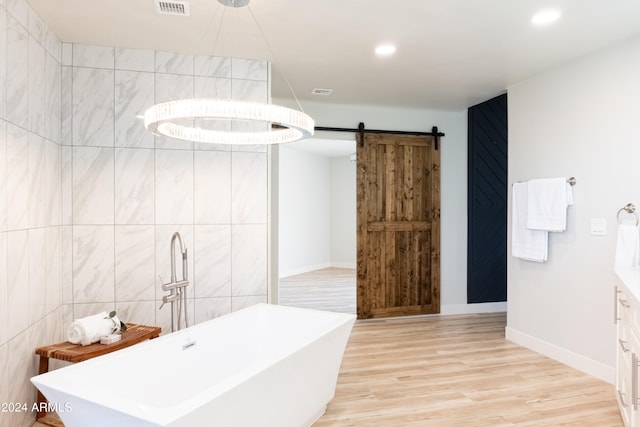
{"points": [[398, 221]]}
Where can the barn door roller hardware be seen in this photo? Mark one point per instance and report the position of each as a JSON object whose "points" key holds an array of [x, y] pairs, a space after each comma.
{"points": [[361, 131]]}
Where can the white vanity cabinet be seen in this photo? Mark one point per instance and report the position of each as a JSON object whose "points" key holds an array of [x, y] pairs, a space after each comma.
{"points": [[627, 318]]}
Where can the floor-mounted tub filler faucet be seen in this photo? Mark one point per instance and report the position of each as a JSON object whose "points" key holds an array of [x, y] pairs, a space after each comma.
{"points": [[178, 294]]}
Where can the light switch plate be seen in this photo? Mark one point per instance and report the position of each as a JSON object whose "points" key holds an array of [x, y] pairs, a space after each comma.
{"points": [[598, 227]]}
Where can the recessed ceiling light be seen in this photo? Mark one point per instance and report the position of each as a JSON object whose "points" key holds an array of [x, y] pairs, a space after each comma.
{"points": [[385, 49], [545, 17]]}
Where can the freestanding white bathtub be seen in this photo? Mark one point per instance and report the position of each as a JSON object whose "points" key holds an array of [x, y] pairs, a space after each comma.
{"points": [[266, 365]]}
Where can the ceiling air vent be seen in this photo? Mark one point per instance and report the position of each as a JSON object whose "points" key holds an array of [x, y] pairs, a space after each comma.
{"points": [[180, 8], [321, 92]]}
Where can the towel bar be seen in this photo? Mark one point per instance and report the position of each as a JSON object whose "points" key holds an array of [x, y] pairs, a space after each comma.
{"points": [[628, 208], [571, 181]]}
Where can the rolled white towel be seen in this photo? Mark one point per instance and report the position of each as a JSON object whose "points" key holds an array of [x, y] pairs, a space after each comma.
{"points": [[88, 330]]}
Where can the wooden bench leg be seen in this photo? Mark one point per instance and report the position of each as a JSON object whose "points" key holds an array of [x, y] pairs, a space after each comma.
{"points": [[42, 368]]}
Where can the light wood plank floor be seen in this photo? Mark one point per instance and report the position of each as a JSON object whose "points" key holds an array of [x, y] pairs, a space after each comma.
{"points": [[448, 371], [330, 289], [459, 371]]}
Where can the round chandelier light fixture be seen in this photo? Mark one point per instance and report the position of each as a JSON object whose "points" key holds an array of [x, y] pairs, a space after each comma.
{"points": [[277, 124], [290, 125]]}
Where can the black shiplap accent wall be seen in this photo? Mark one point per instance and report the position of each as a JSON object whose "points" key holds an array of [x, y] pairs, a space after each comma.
{"points": [[487, 201]]}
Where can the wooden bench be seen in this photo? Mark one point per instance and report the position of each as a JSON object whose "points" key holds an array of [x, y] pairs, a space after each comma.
{"points": [[77, 353]]}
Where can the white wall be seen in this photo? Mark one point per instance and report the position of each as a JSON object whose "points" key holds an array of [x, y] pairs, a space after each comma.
{"points": [[317, 211], [343, 212], [453, 178], [581, 120], [304, 211]]}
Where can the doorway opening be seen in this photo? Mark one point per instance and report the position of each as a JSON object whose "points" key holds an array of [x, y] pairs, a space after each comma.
{"points": [[317, 224]]}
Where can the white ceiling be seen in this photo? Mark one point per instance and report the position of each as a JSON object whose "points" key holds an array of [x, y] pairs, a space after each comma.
{"points": [[451, 53]]}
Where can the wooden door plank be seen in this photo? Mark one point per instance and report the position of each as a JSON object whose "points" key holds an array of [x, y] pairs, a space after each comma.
{"points": [[404, 140], [405, 259], [435, 233], [426, 284], [395, 226], [408, 192], [414, 258], [362, 250], [419, 184], [387, 293], [390, 190]]}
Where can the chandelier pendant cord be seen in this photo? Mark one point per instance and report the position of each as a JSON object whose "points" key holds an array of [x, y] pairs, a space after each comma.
{"points": [[286, 80], [290, 125], [217, 37]]}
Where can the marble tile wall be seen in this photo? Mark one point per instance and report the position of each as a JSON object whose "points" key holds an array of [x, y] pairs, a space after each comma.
{"points": [[31, 268], [125, 192], [89, 199]]}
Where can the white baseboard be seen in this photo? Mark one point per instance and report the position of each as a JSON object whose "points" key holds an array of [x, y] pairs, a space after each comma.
{"points": [[486, 307], [588, 366], [343, 265], [308, 268], [305, 269]]}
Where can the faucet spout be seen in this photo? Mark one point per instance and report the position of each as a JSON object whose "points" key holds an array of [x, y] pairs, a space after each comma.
{"points": [[176, 287], [183, 251]]}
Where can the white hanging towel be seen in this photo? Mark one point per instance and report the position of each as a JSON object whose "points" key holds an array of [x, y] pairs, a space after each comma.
{"points": [[527, 244], [547, 204], [627, 246]]}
